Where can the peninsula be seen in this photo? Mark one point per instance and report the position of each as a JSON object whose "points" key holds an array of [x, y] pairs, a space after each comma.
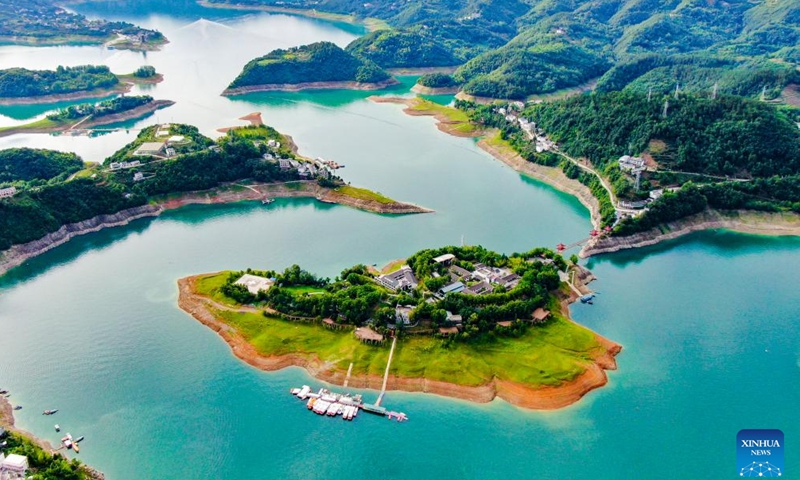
{"points": [[40, 22], [321, 65], [470, 323], [80, 118], [47, 198], [20, 86], [737, 167]]}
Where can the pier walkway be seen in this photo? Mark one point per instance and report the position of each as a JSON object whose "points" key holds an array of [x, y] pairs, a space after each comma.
{"points": [[386, 374]]}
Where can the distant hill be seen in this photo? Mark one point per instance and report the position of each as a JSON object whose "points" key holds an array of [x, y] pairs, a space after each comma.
{"points": [[321, 62], [513, 48]]}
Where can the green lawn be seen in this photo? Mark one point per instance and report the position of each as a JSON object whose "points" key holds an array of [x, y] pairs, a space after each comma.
{"points": [[303, 289], [209, 286], [363, 194], [547, 355]]}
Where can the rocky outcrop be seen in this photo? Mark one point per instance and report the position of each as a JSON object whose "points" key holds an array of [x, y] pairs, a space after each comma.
{"points": [[743, 221], [17, 254], [297, 87]]}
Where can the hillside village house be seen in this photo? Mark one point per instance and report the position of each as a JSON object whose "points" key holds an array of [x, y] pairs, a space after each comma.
{"points": [[152, 149], [8, 192]]}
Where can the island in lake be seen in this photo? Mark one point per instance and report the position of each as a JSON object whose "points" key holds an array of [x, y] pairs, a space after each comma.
{"points": [[20, 86], [48, 197], [80, 118], [41, 22], [321, 65], [464, 322]]}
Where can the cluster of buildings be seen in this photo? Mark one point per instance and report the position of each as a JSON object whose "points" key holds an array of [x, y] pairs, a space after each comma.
{"points": [[124, 165], [305, 170], [541, 142], [481, 280], [631, 164], [8, 192], [13, 466]]}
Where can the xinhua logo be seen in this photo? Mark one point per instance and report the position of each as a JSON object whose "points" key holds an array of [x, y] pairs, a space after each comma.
{"points": [[759, 453]]}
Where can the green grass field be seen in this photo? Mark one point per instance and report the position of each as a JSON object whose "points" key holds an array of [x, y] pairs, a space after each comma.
{"points": [[458, 121], [363, 194], [544, 356]]}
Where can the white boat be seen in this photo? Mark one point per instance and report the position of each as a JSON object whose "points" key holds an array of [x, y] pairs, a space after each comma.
{"points": [[294, 391], [58, 428]]}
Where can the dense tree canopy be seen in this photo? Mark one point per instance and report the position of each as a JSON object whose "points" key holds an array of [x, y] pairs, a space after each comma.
{"points": [[21, 82], [317, 62], [26, 164]]}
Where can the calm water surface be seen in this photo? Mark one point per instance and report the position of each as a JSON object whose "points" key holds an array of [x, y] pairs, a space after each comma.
{"points": [[92, 328]]}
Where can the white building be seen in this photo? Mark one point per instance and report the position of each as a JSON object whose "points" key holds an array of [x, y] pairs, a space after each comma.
{"points": [[8, 192], [402, 314], [271, 143], [255, 284], [402, 279], [13, 466], [628, 163], [447, 258], [149, 148]]}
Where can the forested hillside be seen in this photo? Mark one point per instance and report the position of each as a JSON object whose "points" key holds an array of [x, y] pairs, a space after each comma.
{"points": [[21, 82], [317, 62], [728, 135], [30, 165], [514, 49]]}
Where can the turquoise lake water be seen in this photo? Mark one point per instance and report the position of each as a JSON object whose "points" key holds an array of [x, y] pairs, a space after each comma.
{"points": [[708, 323]]}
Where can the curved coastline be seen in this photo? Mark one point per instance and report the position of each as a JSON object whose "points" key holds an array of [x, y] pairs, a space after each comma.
{"points": [[17, 254], [297, 87], [552, 176], [543, 398], [742, 221], [423, 90], [134, 113]]}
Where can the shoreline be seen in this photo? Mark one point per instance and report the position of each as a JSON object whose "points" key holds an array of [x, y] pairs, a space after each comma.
{"points": [[134, 113], [125, 85], [414, 71], [551, 176], [741, 221], [18, 254], [520, 395], [371, 24], [298, 87], [7, 422], [423, 90]]}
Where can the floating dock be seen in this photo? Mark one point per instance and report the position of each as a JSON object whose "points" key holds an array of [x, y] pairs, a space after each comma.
{"points": [[332, 404]]}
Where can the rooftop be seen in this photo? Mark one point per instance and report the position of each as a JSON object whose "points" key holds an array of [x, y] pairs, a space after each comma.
{"points": [[254, 284], [540, 314], [366, 333], [444, 258]]}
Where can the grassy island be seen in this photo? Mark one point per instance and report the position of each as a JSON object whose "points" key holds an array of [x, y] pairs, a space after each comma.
{"points": [[470, 323], [40, 22], [49, 197], [318, 65], [22, 86], [89, 115]]}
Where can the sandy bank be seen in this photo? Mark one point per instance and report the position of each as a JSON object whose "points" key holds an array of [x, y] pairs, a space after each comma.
{"points": [[413, 71], [18, 254], [297, 87], [300, 189], [423, 90], [137, 112], [544, 398], [552, 176], [744, 221]]}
